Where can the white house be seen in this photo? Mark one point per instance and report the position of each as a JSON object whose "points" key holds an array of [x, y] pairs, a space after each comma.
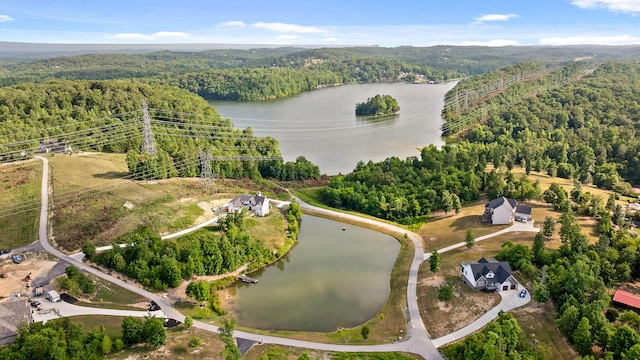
{"points": [[257, 204], [489, 275], [504, 210]]}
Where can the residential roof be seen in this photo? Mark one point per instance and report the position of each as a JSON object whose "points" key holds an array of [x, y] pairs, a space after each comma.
{"points": [[496, 203], [523, 209], [626, 298], [482, 267], [12, 313]]}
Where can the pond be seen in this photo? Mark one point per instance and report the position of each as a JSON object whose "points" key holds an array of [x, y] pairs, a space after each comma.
{"points": [[337, 275], [321, 125]]}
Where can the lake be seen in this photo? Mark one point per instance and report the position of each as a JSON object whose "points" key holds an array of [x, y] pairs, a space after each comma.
{"points": [[332, 278], [321, 125]]}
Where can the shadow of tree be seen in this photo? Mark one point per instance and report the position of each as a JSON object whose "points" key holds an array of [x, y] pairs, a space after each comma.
{"points": [[464, 222], [112, 175]]}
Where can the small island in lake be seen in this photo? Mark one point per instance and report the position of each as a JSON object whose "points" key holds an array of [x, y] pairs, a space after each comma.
{"points": [[378, 105]]}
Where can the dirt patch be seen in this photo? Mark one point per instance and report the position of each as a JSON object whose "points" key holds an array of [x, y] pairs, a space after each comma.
{"points": [[208, 207], [35, 265]]}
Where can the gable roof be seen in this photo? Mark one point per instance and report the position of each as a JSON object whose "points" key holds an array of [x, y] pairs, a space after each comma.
{"points": [[523, 209], [496, 203], [482, 267], [626, 298]]}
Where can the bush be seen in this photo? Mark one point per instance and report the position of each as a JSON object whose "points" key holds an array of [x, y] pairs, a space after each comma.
{"points": [[366, 330], [445, 293], [194, 342]]}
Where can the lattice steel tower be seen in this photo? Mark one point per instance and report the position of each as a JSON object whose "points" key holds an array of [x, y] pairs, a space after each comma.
{"points": [[205, 166], [148, 142]]}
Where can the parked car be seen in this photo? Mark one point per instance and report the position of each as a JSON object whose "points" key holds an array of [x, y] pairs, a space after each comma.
{"points": [[523, 293], [4, 251], [35, 303]]}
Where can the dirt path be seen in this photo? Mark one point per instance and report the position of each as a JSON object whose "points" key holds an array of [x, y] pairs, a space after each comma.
{"points": [[179, 293]]}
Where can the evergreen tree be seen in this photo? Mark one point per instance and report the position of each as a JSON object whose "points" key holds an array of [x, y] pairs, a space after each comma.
{"points": [[470, 238], [434, 261]]}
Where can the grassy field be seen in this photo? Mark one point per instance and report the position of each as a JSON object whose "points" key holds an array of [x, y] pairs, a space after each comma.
{"points": [[20, 197], [277, 352], [93, 199], [538, 325], [177, 346], [443, 230]]}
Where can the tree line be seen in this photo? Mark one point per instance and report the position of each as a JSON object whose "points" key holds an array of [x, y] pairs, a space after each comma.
{"points": [[62, 339], [159, 264]]}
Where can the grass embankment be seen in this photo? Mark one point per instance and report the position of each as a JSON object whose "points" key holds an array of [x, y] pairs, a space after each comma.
{"points": [[19, 203], [111, 296], [272, 352]]}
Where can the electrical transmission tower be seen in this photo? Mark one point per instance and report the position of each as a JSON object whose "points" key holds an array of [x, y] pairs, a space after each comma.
{"points": [[148, 143], [205, 166]]}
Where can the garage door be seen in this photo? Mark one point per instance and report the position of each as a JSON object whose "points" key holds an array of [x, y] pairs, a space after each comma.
{"points": [[513, 286], [505, 287]]}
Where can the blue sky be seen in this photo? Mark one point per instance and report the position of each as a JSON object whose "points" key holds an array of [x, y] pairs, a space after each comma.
{"points": [[326, 23]]}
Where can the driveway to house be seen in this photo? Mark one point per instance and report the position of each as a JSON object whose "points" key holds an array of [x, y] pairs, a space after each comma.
{"points": [[418, 340], [65, 309], [515, 227]]}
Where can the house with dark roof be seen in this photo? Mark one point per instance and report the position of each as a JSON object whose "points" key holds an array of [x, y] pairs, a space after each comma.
{"points": [[489, 275], [257, 204], [504, 210], [12, 313], [626, 300]]}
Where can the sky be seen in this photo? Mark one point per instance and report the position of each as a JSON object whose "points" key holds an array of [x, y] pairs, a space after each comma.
{"points": [[324, 23]]}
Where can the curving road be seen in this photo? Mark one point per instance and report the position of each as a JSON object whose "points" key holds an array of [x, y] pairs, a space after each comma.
{"points": [[418, 340]]}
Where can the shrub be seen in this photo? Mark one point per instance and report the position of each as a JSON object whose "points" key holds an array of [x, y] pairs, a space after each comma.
{"points": [[194, 342], [445, 293]]}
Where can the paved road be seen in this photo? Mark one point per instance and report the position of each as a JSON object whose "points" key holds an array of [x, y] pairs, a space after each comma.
{"points": [[66, 310], [418, 340]]}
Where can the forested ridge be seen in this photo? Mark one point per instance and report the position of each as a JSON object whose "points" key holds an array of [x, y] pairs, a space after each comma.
{"points": [[357, 64], [106, 116]]}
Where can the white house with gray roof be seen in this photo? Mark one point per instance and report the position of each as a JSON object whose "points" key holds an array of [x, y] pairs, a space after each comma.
{"points": [[504, 210], [257, 204], [489, 275]]}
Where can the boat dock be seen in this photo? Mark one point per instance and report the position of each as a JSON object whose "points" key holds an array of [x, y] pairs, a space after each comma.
{"points": [[245, 278]]}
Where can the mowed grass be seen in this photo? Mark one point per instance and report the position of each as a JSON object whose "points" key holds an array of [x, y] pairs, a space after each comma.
{"points": [[19, 203], [270, 229], [442, 230]]}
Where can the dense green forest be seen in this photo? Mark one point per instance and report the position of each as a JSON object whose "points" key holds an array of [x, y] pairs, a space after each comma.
{"points": [[106, 116], [201, 72], [378, 105]]}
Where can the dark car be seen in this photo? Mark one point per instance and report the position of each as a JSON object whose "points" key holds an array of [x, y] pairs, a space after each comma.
{"points": [[4, 251], [35, 303], [523, 293]]}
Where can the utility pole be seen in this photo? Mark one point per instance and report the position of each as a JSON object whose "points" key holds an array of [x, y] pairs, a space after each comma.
{"points": [[148, 142], [205, 167]]}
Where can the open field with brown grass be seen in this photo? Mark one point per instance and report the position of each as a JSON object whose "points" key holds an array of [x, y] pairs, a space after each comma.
{"points": [[19, 203], [441, 318], [93, 199], [537, 322]]}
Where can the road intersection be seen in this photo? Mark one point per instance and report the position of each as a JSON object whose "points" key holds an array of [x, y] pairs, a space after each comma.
{"points": [[417, 340]]}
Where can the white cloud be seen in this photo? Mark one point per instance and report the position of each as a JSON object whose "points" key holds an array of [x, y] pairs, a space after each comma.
{"points": [[495, 17], [6, 18], [287, 37], [494, 42], [288, 28], [592, 40], [237, 24], [161, 35], [331, 39], [625, 6]]}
